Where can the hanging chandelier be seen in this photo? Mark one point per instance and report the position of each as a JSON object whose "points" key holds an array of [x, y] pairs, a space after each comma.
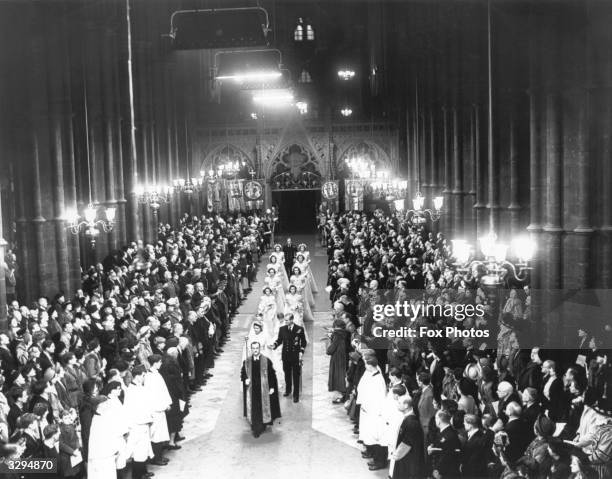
{"points": [[494, 259], [89, 223], [419, 215], [154, 195], [189, 185], [361, 168], [388, 189]]}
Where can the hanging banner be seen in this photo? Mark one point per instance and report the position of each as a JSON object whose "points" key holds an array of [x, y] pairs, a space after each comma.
{"points": [[217, 197], [254, 194], [354, 194], [329, 190], [209, 196], [234, 190]]}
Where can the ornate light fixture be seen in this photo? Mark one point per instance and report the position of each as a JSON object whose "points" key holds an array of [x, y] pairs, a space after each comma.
{"points": [[89, 222], [189, 185], [418, 215], [388, 189], [302, 107], [346, 111], [154, 196], [346, 74], [361, 168], [494, 258]]}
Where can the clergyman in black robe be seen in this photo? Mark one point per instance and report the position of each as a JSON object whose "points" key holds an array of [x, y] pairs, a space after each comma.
{"points": [[261, 404]]}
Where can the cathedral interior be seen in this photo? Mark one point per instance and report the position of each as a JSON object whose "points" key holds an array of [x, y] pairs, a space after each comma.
{"points": [[501, 108], [493, 116]]}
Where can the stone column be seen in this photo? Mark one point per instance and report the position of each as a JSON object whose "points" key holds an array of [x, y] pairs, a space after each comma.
{"points": [[110, 141], [448, 171], [480, 175], [514, 208], [458, 175], [57, 110]]}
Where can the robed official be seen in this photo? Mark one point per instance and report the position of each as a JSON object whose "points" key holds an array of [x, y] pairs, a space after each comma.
{"points": [[261, 404]]}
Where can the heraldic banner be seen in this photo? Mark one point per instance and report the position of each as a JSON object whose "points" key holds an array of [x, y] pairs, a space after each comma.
{"points": [[254, 194], [354, 192], [214, 196], [330, 194]]}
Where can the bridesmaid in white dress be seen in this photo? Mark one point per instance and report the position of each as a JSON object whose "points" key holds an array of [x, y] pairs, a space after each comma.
{"points": [[280, 270], [280, 260], [299, 282], [274, 282], [267, 310], [294, 304], [304, 252], [303, 267]]}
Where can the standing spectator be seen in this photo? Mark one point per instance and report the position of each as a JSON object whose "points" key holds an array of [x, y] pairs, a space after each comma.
{"points": [[407, 457], [446, 449], [338, 350]]}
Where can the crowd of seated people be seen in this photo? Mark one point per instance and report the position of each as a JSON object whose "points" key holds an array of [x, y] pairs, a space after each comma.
{"points": [[456, 406], [101, 379]]}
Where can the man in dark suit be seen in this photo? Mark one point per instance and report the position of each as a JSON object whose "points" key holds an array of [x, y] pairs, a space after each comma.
{"points": [[554, 399], [515, 428], [531, 375], [46, 358], [506, 394], [425, 405], [290, 251], [293, 339], [531, 409], [446, 448], [474, 459]]}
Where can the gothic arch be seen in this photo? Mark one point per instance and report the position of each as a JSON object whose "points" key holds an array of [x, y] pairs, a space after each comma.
{"points": [[364, 148], [294, 166], [226, 152]]}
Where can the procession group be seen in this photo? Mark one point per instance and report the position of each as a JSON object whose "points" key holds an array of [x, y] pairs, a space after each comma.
{"points": [[287, 301], [101, 379], [457, 406]]}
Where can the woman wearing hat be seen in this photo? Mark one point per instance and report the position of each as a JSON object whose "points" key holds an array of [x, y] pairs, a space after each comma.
{"points": [[267, 309]]}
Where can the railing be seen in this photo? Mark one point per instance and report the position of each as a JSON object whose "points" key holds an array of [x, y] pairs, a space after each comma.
{"points": [[306, 180]]}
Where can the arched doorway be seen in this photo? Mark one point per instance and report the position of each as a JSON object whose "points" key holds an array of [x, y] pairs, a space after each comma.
{"points": [[296, 189]]}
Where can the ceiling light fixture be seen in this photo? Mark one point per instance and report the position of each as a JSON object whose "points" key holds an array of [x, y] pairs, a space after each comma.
{"points": [[251, 76], [346, 74], [273, 98]]}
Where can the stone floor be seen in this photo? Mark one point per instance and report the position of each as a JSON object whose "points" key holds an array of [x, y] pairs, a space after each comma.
{"points": [[313, 439]]}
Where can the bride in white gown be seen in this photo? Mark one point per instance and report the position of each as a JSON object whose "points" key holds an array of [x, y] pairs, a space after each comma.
{"points": [[267, 309]]}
